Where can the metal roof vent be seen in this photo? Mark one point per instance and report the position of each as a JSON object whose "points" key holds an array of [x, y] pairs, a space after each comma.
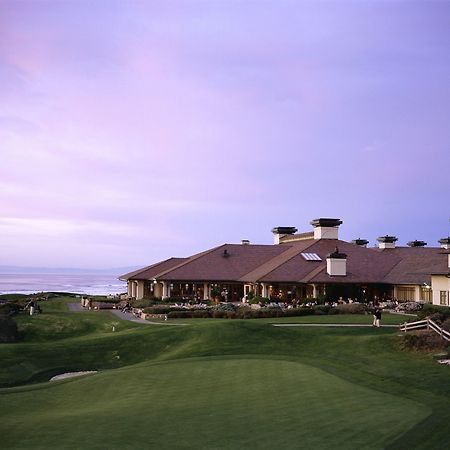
{"points": [[416, 243], [360, 242], [445, 243], [279, 232], [387, 241]]}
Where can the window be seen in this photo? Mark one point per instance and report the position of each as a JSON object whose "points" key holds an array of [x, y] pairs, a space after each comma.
{"points": [[406, 294], [426, 294], [443, 297], [311, 256]]}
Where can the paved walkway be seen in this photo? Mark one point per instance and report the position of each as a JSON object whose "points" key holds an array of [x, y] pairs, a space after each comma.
{"points": [[76, 307], [132, 318], [359, 325]]}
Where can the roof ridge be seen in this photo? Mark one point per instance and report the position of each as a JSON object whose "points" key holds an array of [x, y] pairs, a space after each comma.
{"points": [[393, 267], [189, 259], [264, 269], [138, 271]]}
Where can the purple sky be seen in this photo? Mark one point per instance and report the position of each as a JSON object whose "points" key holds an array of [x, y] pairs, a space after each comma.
{"points": [[135, 131]]}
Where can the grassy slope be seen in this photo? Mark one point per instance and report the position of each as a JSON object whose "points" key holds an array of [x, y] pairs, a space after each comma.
{"points": [[323, 387]]}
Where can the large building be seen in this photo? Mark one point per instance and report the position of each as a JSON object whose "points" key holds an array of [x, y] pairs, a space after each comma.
{"points": [[315, 264]]}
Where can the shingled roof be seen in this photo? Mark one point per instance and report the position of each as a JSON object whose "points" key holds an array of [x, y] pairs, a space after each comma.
{"points": [[285, 263], [416, 265], [149, 272]]}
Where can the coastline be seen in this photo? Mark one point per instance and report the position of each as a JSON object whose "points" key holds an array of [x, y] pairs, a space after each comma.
{"points": [[89, 284]]}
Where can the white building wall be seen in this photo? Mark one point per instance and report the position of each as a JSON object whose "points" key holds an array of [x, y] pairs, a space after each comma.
{"points": [[440, 283]]}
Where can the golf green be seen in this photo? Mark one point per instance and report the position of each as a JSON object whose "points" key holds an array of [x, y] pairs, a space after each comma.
{"points": [[210, 403]]}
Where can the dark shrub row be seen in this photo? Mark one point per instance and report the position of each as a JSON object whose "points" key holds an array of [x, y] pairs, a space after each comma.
{"points": [[161, 309], [425, 340], [239, 313], [438, 314], [350, 308], [8, 330]]}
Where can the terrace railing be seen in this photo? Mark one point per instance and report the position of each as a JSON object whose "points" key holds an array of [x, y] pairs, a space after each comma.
{"points": [[426, 323]]}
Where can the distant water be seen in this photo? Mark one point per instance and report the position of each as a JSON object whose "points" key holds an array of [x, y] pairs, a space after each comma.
{"points": [[92, 284]]}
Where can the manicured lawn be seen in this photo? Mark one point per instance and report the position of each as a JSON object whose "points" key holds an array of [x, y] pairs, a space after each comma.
{"points": [[209, 403], [387, 319], [219, 384]]}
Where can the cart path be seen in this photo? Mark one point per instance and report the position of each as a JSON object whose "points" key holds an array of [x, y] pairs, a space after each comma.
{"points": [[76, 307]]}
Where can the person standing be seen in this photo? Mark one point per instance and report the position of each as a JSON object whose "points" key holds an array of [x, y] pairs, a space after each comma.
{"points": [[32, 307], [377, 317]]}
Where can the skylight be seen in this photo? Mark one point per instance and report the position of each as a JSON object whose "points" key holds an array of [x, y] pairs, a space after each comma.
{"points": [[311, 256]]}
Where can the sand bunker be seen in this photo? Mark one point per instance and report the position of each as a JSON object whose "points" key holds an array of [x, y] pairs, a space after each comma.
{"points": [[71, 375]]}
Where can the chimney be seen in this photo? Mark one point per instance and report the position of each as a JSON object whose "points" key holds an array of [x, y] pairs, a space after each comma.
{"points": [[416, 243], [280, 232], [445, 243], [325, 228], [387, 241], [360, 242], [337, 264], [245, 242]]}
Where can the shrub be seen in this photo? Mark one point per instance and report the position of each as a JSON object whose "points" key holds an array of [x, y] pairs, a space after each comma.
{"points": [[321, 309], [410, 307], [201, 314], [145, 302], [426, 340], [186, 314], [428, 310], [225, 307], [8, 330], [10, 308], [259, 300], [436, 317], [220, 314], [13, 297], [446, 325], [160, 309], [295, 312], [351, 308]]}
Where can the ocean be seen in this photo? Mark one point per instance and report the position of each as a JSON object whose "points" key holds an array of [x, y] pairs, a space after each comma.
{"points": [[92, 284]]}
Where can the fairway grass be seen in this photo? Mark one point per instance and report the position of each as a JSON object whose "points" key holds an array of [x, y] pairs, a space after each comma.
{"points": [[209, 403], [218, 384]]}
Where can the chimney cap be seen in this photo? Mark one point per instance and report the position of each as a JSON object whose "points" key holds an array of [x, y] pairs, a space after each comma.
{"points": [[326, 222], [337, 255], [444, 241], [360, 241], [284, 230], [416, 243], [387, 239], [245, 242]]}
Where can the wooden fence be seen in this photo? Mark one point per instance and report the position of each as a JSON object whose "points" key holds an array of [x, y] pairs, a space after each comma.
{"points": [[426, 323]]}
